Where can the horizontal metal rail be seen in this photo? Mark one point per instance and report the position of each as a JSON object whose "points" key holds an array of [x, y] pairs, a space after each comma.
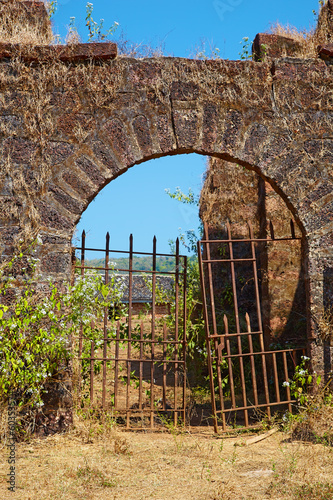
{"points": [[253, 407], [125, 270]]}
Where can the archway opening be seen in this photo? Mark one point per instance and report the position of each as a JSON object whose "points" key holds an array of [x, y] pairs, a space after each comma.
{"points": [[136, 203], [230, 194]]}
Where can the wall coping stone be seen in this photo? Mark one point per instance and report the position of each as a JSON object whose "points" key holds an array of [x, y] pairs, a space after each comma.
{"points": [[65, 53], [276, 46], [35, 6], [326, 51]]}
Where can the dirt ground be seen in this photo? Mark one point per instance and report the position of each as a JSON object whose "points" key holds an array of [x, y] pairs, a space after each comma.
{"points": [[120, 465]]}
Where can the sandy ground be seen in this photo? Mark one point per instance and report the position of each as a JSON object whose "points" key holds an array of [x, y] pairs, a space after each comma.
{"points": [[121, 465]]}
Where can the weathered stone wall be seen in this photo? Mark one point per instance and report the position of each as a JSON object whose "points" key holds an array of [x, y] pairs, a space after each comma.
{"points": [[70, 125], [232, 193]]}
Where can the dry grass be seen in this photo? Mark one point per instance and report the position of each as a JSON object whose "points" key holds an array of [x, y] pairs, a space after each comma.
{"points": [[308, 40], [126, 48], [17, 26], [315, 422], [325, 323], [119, 465]]}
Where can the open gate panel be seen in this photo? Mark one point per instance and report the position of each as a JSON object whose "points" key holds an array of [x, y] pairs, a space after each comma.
{"points": [[247, 376]]}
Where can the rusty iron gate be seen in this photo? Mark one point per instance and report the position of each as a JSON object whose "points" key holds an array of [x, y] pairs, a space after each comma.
{"points": [[136, 371], [246, 376]]}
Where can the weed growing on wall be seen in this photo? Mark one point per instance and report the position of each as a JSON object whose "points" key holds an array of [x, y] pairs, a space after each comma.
{"points": [[96, 30], [246, 48], [52, 7]]}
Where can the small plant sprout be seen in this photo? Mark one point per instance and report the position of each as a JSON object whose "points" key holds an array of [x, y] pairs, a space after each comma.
{"points": [[245, 54], [301, 381], [52, 7], [96, 29], [72, 34]]}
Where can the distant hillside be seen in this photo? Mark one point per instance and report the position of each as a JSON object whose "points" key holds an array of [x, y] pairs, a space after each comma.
{"points": [[166, 264]]}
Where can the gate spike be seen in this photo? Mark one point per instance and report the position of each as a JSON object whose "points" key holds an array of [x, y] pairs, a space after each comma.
{"points": [[249, 225], [228, 229], [292, 227], [154, 253], [107, 241], [271, 230], [130, 257], [205, 231], [247, 319], [226, 326], [83, 245]]}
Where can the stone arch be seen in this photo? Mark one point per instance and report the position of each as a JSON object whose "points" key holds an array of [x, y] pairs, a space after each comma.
{"points": [[271, 117]]}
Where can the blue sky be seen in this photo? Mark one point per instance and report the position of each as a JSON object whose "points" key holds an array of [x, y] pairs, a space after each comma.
{"points": [[136, 202]]}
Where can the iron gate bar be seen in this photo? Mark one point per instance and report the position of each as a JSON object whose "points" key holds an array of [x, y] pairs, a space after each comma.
{"points": [[176, 328], [209, 355], [106, 280], [92, 362], [248, 240], [129, 319], [126, 270], [141, 366], [261, 334], [83, 243], [184, 275], [170, 366], [211, 290], [164, 365], [232, 386], [87, 249], [253, 368], [285, 367], [246, 354], [216, 342], [271, 230], [153, 337], [239, 342], [116, 366]]}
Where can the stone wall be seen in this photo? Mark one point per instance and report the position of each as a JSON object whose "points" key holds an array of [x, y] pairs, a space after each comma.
{"points": [[74, 118], [232, 193]]}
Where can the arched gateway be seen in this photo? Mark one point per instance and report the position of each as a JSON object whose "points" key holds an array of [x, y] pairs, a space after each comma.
{"points": [[73, 119]]}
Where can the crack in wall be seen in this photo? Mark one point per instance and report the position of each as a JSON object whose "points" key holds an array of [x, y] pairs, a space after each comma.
{"points": [[173, 122]]}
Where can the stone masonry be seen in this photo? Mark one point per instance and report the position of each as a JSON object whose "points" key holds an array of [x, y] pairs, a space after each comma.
{"points": [[74, 118]]}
